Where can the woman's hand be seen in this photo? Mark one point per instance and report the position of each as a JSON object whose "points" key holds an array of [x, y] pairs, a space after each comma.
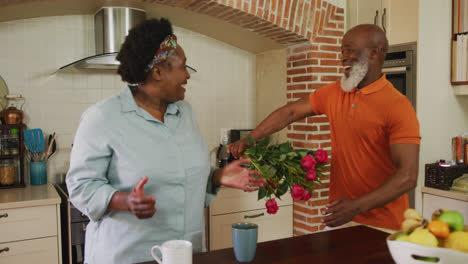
{"points": [[237, 148], [235, 176], [140, 205]]}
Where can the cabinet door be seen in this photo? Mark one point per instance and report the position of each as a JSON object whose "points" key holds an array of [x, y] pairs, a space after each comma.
{"points": [[402, 20], [28, 222], [270, 227], [229, 200], [43, 251], [433, 202], [363, 12]]}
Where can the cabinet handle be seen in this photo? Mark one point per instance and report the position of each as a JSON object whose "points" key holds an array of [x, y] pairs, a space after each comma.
{"points": [[4, 215], [384, 18], [254, 216], [376, 15], [4, 249], [84, 227]]}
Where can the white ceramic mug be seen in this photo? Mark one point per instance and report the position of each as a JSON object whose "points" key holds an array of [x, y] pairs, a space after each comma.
{"points": [[174, 252]]}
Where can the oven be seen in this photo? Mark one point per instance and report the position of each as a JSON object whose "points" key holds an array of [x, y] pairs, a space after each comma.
{"points": [[400, 68], [73, 226]]}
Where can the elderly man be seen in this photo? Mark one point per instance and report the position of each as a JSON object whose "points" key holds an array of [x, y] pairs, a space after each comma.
{"points": [[374, 132]]}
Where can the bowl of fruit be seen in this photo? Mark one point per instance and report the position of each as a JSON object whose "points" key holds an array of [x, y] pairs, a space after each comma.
{"points": [[443, 239]]}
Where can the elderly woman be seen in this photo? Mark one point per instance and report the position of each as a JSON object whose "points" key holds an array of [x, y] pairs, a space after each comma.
{"points": [[140, 168]]}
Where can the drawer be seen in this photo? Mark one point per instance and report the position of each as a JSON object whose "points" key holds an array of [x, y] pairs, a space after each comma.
{"points": [[270, 227], [77, 216], [229, 200], [28, 223], [42, 250], [78, 231]]}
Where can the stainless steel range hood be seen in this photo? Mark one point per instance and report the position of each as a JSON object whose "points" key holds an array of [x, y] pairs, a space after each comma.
{"points": [[111, 26]]}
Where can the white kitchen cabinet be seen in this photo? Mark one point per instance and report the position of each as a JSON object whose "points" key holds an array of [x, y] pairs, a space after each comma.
{"points": [[233, 206], [30, 225], [434, 199], [399, 18]]}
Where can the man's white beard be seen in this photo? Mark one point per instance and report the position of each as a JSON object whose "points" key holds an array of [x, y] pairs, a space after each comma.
{"points": [[356, 75]]}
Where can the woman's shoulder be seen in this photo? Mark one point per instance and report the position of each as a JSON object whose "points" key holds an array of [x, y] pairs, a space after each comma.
{"points": [[103, 109]]}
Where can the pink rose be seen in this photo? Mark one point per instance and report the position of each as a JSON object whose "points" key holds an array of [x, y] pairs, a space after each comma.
{"points": [[321, 156], [308, 162], [307, 195], [311, 175], [271, 206], [297, 192]]}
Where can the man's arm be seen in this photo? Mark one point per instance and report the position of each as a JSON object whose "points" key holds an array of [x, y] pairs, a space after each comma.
{"points": [[405, 157], [277, 120]]}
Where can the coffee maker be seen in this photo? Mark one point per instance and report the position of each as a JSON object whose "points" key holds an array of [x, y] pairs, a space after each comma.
{"points": [[223, 157]]}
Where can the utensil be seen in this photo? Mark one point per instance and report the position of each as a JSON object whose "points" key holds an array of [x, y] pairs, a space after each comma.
{"points": [[51, 146], [34, 139]]}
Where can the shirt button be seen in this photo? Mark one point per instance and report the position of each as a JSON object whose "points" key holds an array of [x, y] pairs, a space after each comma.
{"points": [[352, 105]]}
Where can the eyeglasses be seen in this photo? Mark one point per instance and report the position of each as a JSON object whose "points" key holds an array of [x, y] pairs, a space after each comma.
{"points": [[190, 70]]}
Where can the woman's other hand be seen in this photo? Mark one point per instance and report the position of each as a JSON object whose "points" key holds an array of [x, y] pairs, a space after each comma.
{"points": [[236, 176], [140, 205], [237, 148]]}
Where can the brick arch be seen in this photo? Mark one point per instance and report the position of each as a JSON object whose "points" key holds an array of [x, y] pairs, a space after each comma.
{"points": [[287, 22]]}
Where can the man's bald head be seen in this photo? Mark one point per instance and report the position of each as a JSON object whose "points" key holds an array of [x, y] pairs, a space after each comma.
{"points": [[369, 36]]}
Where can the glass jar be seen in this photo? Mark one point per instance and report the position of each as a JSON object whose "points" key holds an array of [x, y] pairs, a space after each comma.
{"points": [[13, 141], [7, 172], [4, 139]]}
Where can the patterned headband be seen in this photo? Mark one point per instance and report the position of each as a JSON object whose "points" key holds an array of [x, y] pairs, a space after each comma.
{"points": [[166, 49]]}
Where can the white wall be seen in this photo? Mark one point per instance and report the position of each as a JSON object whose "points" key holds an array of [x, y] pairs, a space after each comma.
{"points": [[441, 113], [222, 92]]}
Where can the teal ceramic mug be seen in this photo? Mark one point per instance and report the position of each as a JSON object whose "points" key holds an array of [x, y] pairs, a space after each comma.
{"points": [[38, 172], [244, 240]]}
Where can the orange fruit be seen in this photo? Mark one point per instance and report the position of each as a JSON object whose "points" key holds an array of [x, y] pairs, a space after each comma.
{"points": [[439, 228]]}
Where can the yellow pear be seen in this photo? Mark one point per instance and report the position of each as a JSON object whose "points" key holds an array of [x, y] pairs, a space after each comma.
{"points": [[457, 240], [410, 213], [423, 237]]}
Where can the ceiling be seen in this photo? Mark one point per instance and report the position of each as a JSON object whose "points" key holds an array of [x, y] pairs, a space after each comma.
{"points": [[203, 24]]}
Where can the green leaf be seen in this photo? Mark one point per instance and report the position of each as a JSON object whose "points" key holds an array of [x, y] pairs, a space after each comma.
{"points": [[302, 152], [268, 171], [264, 141], [285, 147], [261, 193], [250, 140], [282, 189], [282, 157]]}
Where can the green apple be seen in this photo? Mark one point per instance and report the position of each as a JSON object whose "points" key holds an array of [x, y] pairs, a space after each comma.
{"points": [[454, 219]]}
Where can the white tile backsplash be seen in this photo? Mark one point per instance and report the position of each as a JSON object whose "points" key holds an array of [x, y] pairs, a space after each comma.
{"points": [[222, 93]]}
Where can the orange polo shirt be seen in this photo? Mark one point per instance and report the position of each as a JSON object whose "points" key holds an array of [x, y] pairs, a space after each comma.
{"points": [[363, 125]]}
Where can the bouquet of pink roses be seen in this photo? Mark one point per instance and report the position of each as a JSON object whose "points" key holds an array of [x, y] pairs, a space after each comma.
{"points": [[285, 169]]}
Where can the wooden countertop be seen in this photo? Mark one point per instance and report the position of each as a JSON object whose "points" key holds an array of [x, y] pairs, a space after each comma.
{"points": [[448, 194], [358, 244], [31, 195]]}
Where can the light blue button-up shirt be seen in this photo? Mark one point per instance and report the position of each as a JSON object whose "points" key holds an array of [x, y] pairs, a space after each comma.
{"points": [[116, 144]]}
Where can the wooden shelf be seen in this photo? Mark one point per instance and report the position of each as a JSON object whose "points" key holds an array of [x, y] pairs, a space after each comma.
{"points": [[460, 89]]}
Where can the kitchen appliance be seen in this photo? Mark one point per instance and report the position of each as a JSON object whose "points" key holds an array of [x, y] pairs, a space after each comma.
{"points": [[73, 226], [228, 136], [400, 69], [111, 26]]}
